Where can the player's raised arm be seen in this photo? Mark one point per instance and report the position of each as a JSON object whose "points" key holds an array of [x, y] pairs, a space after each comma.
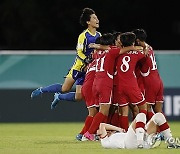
{"points": [[104, 128], [109, 127], [122, 50], [146, 49], [99, 46]]}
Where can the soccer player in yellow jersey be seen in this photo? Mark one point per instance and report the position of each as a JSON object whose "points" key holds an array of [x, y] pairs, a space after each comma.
{"points": [[76, 74]]}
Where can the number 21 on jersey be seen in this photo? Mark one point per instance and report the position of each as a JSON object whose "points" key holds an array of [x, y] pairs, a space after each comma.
{"points": [[100, 64]]}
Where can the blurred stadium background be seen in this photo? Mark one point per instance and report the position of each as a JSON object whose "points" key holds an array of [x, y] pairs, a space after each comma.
{"points": [[37, 47], [23, 71]]}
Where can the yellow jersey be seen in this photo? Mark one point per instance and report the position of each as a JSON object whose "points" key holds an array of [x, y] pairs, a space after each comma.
{"points": [[83, 50]]}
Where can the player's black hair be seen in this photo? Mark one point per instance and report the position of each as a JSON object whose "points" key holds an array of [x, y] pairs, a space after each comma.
{"points": [[140, 34], [115, 35], [127, 38], [86, 16], [106, 39]]}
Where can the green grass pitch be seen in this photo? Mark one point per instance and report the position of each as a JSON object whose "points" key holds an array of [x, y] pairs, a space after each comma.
{"points": [[59, 138]]}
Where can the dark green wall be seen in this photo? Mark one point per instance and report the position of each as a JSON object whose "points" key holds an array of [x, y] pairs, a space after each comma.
{"points": [[17, 106]]}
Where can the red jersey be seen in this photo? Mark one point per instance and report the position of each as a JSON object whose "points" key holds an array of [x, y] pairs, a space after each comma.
{"points": [[128, 89], [149, 63], [126, 67], [140, 78], [86, 89], [105, 64], [152, 82], [103, 82], [90, 73]]}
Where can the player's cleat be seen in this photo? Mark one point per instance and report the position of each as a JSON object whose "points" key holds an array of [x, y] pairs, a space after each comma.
{"points": [[93, 137], [36, 92], [84, 139], [89, 136], [79, 137], [96, 137], [161, 136], [55, 101], [156, 140], [140, 146], [173, 146]]}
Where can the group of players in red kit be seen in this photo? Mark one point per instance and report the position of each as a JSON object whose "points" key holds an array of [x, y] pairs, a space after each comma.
{"points": [[122, 75], [114, 72], [111, 81]]}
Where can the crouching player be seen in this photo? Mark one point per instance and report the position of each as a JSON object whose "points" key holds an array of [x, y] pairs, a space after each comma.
{"points": [[136, 137]]}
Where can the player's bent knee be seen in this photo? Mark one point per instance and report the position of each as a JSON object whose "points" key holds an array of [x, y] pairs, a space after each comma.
{"points": [[158, 115], [158, 118], [67, 85], [141, 117], [66, 88]]}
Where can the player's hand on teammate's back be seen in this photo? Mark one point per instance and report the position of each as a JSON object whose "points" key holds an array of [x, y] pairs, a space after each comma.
{"points": [[88, 59], [93, 45], [138, 48]]}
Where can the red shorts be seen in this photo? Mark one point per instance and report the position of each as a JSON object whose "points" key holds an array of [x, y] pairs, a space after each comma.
{"points": [[103, 93], [154, 91], [115, 98], [88, 96], [131, 95]]}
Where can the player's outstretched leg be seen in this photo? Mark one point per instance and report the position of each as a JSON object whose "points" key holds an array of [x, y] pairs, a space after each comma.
{"points": [[49, 89]]}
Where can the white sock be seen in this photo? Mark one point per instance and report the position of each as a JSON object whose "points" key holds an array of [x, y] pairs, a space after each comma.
{"points": [[141, 117], [159, 120], [140, 135], [167, 134]]}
